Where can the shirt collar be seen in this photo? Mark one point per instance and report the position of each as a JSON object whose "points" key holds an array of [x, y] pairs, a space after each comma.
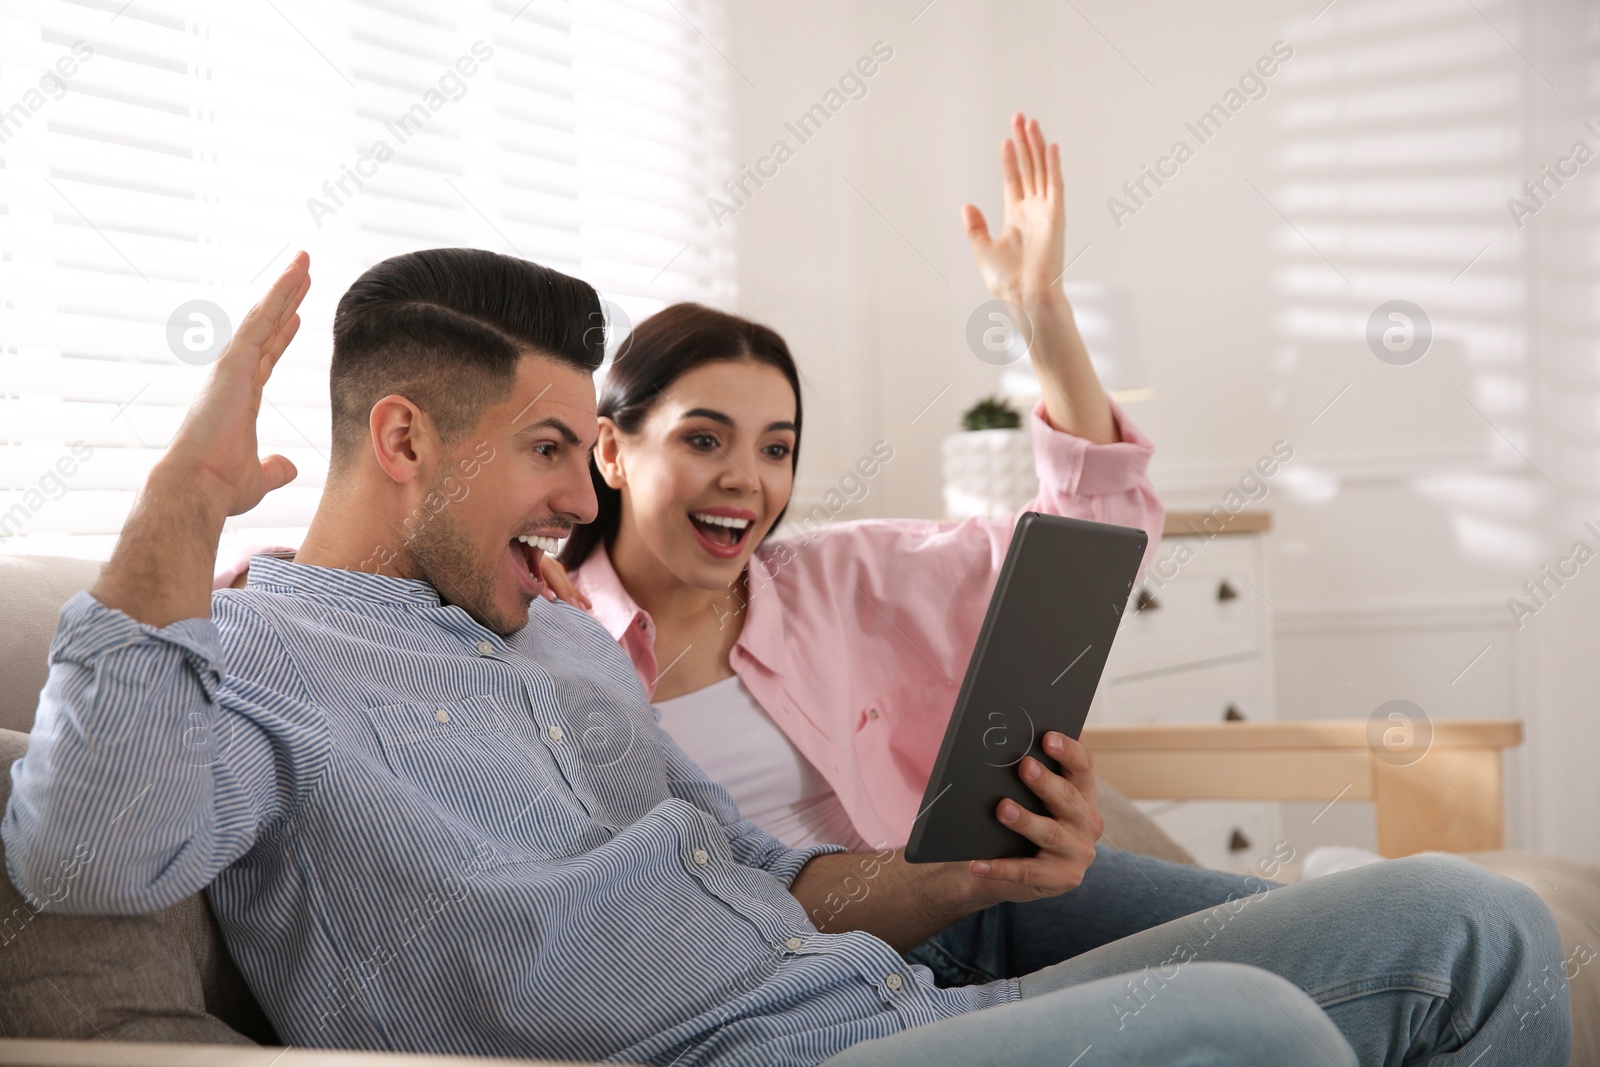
{"points": [[281, 575], [609, 602], [765, 635]]}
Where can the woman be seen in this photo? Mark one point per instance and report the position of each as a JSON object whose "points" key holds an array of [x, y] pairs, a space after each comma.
{"points": [[813, 675]]}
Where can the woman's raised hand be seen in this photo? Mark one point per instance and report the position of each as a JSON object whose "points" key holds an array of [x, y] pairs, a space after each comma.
{"points": [[1024, 260]]}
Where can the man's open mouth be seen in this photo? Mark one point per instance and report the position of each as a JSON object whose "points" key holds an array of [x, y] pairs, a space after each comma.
{"points": [[529, 548]]}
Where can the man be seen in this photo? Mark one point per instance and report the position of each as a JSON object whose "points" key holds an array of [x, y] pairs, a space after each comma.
{"points": [[434, 812]]}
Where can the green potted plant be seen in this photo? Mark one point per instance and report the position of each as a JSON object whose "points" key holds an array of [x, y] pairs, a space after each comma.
{"points": [[988, 467], [990, 413]]}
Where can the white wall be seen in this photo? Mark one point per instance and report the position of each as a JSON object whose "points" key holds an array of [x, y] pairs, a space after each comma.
{"points": [[1376, 167]]}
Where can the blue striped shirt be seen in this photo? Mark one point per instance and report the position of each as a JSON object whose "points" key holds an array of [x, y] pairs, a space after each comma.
{"points": [[420, 836]]}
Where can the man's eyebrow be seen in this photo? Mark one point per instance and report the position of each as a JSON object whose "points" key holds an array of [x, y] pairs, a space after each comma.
{"points": [[551, 422]]}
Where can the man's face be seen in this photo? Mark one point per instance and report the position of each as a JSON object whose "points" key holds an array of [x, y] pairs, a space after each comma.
{"points": [[523, 471]]}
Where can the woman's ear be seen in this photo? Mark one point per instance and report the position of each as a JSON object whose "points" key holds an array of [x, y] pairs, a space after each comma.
{"points": [[608, 453]]}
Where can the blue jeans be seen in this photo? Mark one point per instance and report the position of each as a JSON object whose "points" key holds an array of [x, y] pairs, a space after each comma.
{"points": [[1122, 893], [1425, 960]]}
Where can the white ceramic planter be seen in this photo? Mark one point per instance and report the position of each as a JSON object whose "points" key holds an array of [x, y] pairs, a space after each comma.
{"points": [[988, 472]]}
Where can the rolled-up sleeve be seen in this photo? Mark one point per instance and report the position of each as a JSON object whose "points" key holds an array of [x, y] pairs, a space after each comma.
{"points": [[144, 775], [1101, 482]]}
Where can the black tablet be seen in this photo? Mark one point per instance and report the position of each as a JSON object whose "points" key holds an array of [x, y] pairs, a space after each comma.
{"points": [[1055, 610]]}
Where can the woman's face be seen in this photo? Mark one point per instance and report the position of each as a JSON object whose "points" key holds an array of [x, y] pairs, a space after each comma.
{"points": [[708, 471]]}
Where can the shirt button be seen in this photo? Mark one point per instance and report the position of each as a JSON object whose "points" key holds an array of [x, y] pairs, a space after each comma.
{"points": [[872, 713], [485, 647], [641, 623], [794, 944], [554, 733], [893, 981], [702, 857], [441, 716]]}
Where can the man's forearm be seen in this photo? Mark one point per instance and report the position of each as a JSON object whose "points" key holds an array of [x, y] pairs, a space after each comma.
{"points": [[160, 571], [879, 892]]}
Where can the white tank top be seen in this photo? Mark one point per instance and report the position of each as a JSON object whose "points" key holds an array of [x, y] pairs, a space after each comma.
{"points": [[737, 744]]}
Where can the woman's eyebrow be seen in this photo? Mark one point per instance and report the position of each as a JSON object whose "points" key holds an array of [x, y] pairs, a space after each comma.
{"points": [[707, 413], [717, 416]]}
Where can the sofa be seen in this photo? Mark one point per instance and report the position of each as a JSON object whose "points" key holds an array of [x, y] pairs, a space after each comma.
{"points": [[162, 989]]}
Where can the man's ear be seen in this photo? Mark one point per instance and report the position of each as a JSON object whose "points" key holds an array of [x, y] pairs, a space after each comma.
{"points": [[401, 435], [608, 453]]}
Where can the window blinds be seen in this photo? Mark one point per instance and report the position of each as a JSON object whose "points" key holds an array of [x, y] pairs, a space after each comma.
{"points": [[162, 158]]}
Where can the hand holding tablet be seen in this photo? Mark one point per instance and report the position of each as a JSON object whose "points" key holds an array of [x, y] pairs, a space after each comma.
{"points": [[1038, 659]]}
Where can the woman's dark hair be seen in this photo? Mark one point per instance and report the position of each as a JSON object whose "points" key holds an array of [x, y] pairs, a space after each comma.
{"points": [[445, 328], [669, 343]]}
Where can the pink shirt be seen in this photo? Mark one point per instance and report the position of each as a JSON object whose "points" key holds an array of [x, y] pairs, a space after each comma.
{"points": [[856, 640]]}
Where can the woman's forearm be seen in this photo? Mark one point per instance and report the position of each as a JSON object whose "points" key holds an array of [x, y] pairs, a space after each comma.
{"points": [[1073, 397]]}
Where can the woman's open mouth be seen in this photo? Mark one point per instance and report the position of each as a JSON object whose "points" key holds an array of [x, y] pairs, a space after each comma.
{"points": [[720, 535]]}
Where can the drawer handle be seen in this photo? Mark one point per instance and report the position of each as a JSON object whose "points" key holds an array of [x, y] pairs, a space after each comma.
{"points": [[1233, 714], [1145, 602], [1226, 592], [1238, 842]]}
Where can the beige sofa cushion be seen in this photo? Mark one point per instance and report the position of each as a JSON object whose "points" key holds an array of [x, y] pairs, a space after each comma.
{"points": [[32, 590], [1130, 830], [161, 977]]}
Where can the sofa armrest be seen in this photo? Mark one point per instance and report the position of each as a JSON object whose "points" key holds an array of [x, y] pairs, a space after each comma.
{"points": [[1441, 790]]}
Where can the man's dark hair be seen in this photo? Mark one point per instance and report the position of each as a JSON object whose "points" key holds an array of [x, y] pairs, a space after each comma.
{"points": [[445, 328]]}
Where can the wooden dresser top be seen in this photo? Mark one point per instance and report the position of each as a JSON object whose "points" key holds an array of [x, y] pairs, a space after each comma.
{"points": [[1206, 523]]}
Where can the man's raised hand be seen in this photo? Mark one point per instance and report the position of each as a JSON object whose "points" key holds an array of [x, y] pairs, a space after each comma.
{"points": [[215, 448], [160, 572]]}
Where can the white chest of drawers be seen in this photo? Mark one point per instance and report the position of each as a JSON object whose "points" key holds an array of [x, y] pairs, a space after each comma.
{"points": [[1196, 647]]}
